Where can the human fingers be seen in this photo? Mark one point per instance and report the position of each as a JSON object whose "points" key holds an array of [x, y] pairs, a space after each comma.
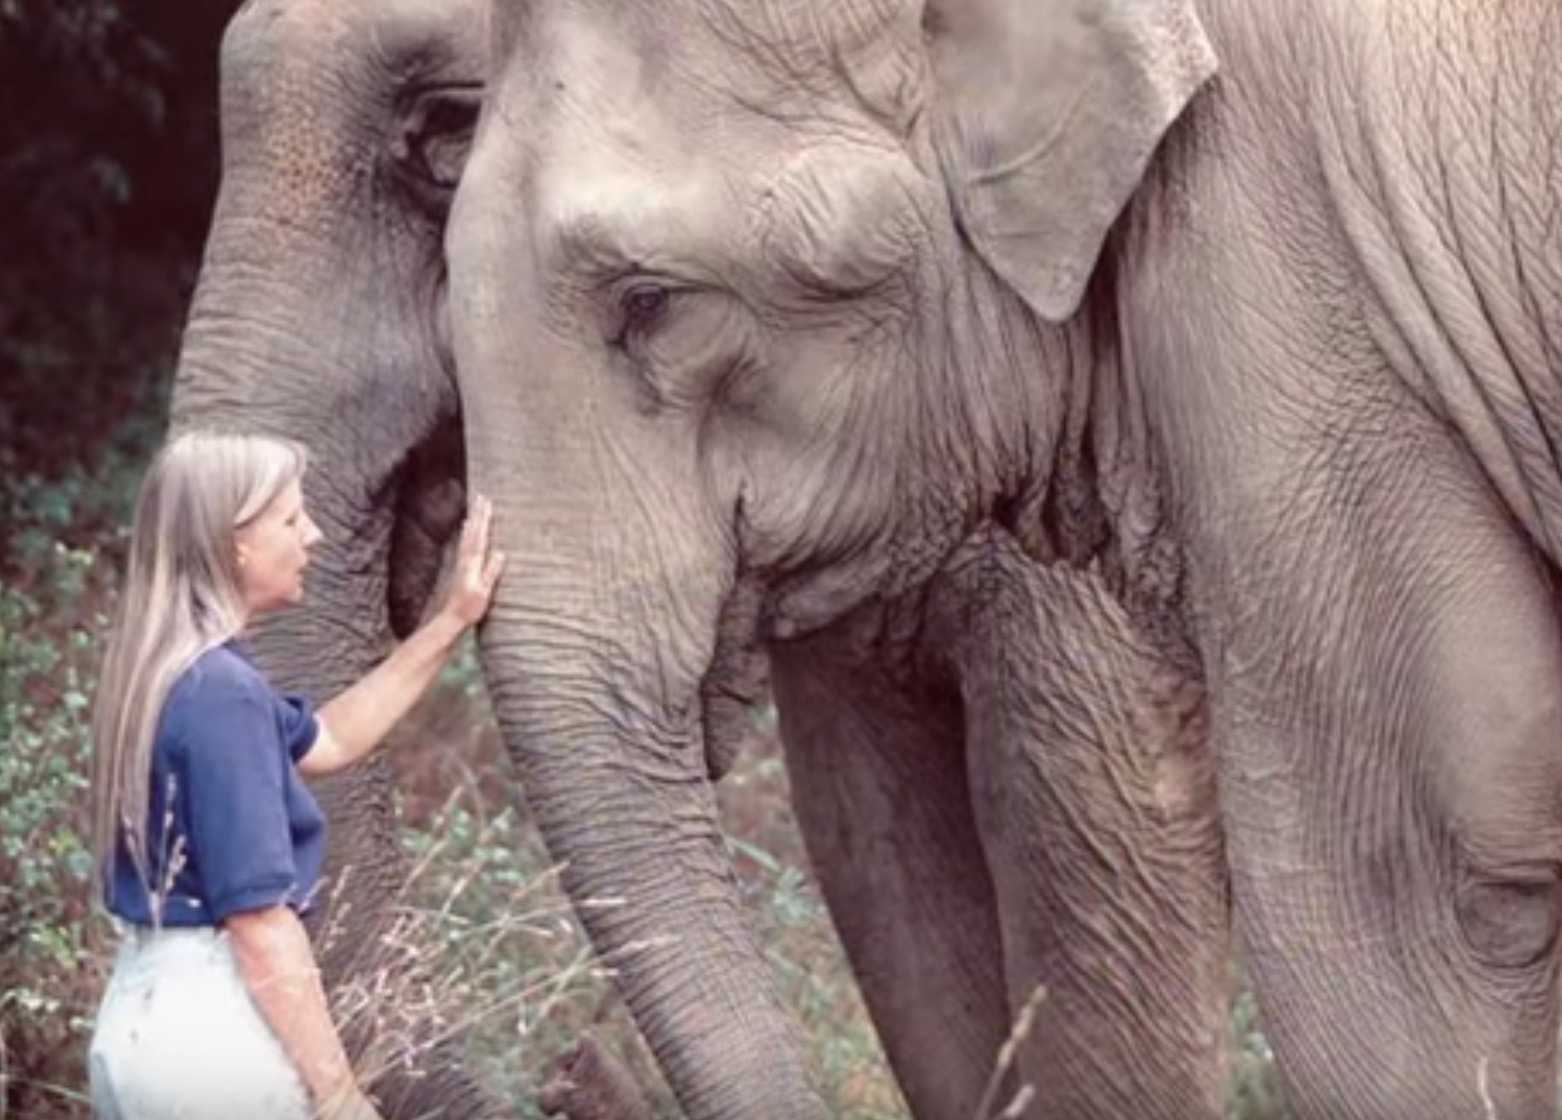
{"points": [[482, 525], [492, 570], [474, 532]]}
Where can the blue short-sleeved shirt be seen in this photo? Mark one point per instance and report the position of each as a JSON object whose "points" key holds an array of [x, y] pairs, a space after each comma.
{"points": [[251, 833]]}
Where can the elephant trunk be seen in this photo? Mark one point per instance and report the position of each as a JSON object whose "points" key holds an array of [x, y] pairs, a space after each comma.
{"points": [[596, 651], [623, 801]]}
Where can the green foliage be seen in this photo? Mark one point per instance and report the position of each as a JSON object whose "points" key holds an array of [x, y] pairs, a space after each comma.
{"points": [[110, 139], [108, 168], [514, 963], [1252, 1091], [102, 78], [108, 162], [54, 596]]}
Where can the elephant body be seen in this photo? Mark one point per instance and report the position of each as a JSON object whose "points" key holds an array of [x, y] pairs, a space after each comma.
{"points": [[1132, 428]]}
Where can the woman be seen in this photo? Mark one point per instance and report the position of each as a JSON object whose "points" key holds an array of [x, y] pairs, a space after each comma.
{"points": [[209, 843]]}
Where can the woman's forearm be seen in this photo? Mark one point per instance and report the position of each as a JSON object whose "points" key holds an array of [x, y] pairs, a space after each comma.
{"points": [[277, 965], [358, 718]]}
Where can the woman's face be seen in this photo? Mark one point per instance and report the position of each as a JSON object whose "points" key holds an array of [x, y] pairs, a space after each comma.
{"points": [[274, 551]]}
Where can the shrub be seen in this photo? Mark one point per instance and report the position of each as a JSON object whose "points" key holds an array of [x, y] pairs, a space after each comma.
{"points": [[56, 591]]}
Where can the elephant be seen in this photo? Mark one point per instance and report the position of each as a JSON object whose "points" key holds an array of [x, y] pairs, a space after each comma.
{"points": [[885, 333], [319, 314]]}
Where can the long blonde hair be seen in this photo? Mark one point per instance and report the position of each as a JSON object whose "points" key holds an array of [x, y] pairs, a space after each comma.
{"points": [[181, 597]]}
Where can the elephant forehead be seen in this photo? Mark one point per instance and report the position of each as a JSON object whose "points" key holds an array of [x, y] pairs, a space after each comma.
{"points": [[631, 151], [428, 35], [282, 61], [802, 63], [393, 34], [612, 174], [360, 52]]}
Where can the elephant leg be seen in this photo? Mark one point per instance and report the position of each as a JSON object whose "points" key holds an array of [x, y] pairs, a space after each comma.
{"points": [[879, 786], [1389, 734], [1094, 795]]}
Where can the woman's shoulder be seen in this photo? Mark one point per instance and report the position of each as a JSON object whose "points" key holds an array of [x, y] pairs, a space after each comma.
{"points": [[217, 679]]}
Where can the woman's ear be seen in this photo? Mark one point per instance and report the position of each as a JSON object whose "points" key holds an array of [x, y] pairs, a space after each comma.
{"points": [[1050, 111]]}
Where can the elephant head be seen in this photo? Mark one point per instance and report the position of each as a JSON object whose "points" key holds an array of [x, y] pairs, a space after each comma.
{"points": [[320, 314], [320, 308], [752, 325]]}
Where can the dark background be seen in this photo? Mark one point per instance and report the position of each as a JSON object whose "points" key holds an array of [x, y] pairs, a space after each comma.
{"points": [[108, 171]]}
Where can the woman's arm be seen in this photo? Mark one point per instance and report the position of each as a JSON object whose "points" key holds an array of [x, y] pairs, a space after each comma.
{"points": [[278, 967], [357, 719]]}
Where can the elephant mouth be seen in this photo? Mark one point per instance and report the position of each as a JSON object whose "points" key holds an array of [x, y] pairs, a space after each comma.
{"points": [[737, 682], [428, 491], [727, 711]]}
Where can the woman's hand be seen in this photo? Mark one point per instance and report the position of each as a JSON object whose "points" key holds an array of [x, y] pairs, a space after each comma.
{"points": [[355, 720], [476, 569], [277, 965]]}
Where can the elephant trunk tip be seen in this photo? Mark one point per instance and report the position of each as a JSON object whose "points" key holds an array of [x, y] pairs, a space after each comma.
{"points": [[589, 1082]]}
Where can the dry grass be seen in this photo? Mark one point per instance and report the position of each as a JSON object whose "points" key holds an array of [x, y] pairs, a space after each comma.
{"points": [[488, 848]]}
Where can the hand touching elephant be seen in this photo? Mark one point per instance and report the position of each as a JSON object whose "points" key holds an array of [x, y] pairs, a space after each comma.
{"points": [[841, 322]]}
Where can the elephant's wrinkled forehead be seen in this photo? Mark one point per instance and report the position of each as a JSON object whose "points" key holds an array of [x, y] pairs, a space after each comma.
{"points": [[338, 36], [688, 137], [843, 65]]}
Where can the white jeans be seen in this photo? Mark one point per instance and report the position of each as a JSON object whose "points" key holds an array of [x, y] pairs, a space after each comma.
{"points": [[179, 1038]]}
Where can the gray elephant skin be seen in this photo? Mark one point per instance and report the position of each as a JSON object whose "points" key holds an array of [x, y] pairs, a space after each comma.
{"points": [[853, 327], [319, 314]]}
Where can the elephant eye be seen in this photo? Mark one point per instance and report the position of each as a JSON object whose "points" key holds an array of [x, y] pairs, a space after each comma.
{"points": [[643, 306], [437, 135]]}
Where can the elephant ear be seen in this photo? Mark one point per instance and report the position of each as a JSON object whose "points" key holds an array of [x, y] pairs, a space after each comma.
{"points": [[1051, 110]]}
